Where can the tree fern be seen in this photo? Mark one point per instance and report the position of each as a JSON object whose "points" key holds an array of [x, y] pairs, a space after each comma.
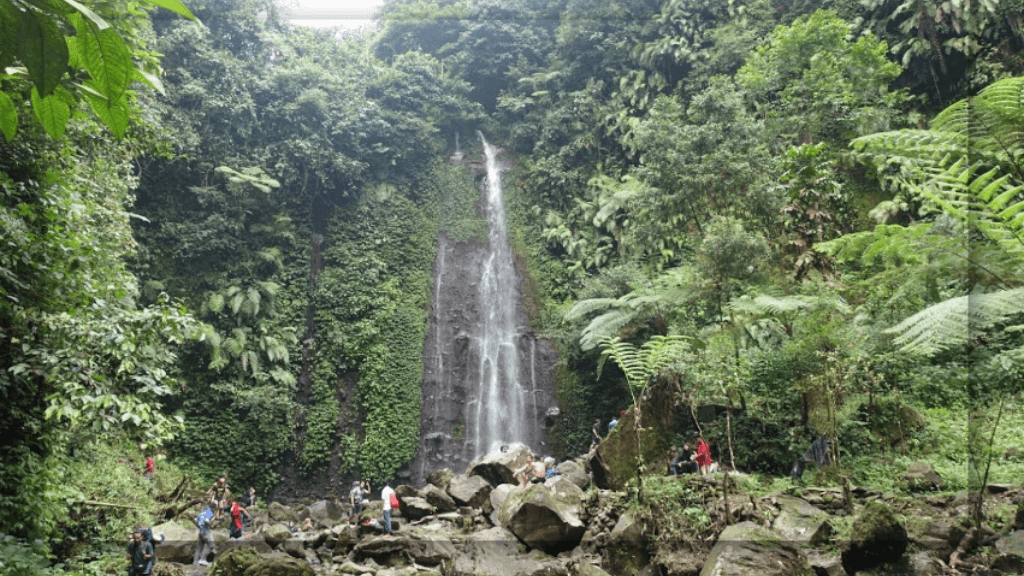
{"points": [[952, 322]]}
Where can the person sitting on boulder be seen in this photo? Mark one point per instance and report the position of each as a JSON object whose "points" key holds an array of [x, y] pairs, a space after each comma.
{"points": [[531, 472], [683, 462]]}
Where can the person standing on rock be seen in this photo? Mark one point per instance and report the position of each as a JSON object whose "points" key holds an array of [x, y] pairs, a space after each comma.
{"points": [[385, 494], [355, 498], [703, 456], [140, 554], [205, 544], [595, 433]]}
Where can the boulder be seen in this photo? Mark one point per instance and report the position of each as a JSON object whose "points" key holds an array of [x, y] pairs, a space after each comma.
{"points": [[615, 461], [564, 487], [497, 551], [179, 543], [405, 491], [326, 513], [347, 536], [438, 498], [431, 551], [500, 494], [747, 549], [543, 519], [825, 565], [876, 537], [415, 508], [281, 513], [235, 562], [470, 491], [386, 551], [499, 468], [441, 478], [801, 522], [924, 564], [275, 534], [254, 541], [294, 547], [584, 569], [921, 477], [280, 566], [626, 547], [164, 569], [1012, 543]]}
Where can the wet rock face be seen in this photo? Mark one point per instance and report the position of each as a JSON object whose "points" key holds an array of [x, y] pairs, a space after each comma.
{"points": [[456, 359]]}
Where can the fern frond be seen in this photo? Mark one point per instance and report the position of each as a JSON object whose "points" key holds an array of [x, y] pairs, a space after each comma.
{"points": [[215, 303], [586, 307], [951, 322], [606, 326]]}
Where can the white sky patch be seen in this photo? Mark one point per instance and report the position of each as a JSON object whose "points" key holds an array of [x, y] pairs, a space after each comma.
{"points": [[327, 13]]}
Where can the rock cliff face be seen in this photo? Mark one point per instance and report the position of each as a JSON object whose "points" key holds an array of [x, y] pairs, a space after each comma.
{"points": [[488, 379]]}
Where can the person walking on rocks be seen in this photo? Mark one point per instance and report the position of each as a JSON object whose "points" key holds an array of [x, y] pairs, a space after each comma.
{"points": [[149, 472], [355, 498], [205, 544], [219, 493], [140, 554], [595, 433], [703, 456], [386, 494]]}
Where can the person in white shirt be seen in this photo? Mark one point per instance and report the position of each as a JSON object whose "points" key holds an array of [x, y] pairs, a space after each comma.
{"points": [[385, 495]]}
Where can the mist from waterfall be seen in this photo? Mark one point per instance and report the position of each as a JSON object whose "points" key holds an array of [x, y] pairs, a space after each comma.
{"points": [[500, 411]]}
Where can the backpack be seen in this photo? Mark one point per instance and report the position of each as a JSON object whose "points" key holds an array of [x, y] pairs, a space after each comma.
{"points": [[393, 500], [153, 539], [204, 517]]}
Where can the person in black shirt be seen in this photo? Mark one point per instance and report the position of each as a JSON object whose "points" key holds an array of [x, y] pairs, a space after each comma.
{"points": [[140, 554], [683, 462]]}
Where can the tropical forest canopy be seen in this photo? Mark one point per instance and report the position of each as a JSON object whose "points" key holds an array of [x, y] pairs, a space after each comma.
{"points": [[219, 229]]}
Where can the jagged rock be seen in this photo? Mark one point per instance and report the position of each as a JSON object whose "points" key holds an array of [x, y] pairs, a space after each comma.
{"points": [[801, 522], [275, 534], [497, 551], [281, 513], [326, 513], [406, 491], [391, 551], [626, 547], [236, 562], [574, 473], [294, 547], [542, 519], [1012, 543], [278, 566], [1006, 564], [746, 549], [431, 551], [921, 477], [350, 567], [438, 498], [500, 468], [470, 491], [345, 538], [924, 564], [441, 478], [415, 508], [877, 537]]}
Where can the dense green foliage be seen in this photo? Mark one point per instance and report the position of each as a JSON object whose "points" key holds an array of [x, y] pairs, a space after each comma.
{"points": [[246, 269]]}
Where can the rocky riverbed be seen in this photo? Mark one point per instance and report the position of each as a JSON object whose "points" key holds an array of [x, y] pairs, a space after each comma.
{"points": [[481, 522]]}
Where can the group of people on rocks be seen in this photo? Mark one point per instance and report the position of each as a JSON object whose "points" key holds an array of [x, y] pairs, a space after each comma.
{"points": [[690, 461], [595, 430], [220, 501]]}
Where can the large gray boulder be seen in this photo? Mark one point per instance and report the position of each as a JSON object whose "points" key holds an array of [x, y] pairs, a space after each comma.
{"points": [[255, 541], [500, 468], [922, 477], [747, 549], [876, 537], [281, 513], [275, 534], [500, 494], [626, 549], [497, 551], [179, 543], [574, 473], [438, 498], [406, 491], [542, 519], [801, 522], [414, 508], [425, 551], [294, 547], [564, 487], [470, 491]]}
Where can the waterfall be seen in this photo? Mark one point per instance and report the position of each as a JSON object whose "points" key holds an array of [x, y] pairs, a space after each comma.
{"points": [[487, 379], [501, 397]]}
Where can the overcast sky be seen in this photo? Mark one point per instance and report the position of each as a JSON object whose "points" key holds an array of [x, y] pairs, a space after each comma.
{"points": [[322, 13]]}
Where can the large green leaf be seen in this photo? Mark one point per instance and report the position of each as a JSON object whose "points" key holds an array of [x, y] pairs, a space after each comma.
{"points": [[52, 111], [104, 56], [8, 117], [115, 114], [9, 26], [174, 6], [42, 49]]}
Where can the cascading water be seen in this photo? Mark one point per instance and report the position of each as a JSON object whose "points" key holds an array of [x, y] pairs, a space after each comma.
{"points": [[488, 380], [501, 397]]}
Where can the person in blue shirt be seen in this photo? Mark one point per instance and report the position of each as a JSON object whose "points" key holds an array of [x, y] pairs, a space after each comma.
{"points": [[205, 544]]}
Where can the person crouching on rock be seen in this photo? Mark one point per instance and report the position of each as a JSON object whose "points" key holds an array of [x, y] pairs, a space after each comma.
{"points": [[683, 462], [531, 472]]}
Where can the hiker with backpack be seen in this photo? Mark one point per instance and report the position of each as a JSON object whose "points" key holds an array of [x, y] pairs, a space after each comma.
{"points": [[202, 521], [140, 555], [238, 517], [390, 501]]}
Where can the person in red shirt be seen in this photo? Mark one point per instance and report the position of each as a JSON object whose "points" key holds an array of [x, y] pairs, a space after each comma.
{"points": [[703, 455], [149, 473], [237, 527]]}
